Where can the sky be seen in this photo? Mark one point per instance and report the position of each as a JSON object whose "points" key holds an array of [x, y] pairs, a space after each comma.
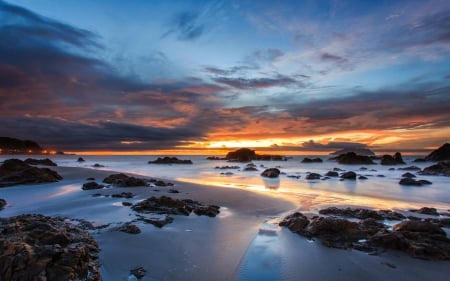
{"points": [[196, 76]]}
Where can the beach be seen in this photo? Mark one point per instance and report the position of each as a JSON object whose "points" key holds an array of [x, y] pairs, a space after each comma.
{"points": [[244, 242]]}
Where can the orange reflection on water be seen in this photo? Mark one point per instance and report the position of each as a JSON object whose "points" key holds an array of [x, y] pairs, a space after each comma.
{"points": [[64, 190]]}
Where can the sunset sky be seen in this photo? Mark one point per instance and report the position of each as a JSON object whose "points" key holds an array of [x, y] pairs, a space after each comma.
{"points": [[83, 75]]}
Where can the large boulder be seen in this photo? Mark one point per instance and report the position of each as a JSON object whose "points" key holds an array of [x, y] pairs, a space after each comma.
{"points": [[92, 185], [241, 155], [44, 162], [15, 171], [439, 169], [351, 158], [122, 180], [170, 160], [296, 222], [440, 154], [271, 173], [350, 175], [397, 159], [335, 232], [413, 182], [36, 247]]}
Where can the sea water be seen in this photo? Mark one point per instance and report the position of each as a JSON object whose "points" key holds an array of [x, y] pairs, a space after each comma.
{"points": [[381, 183]]}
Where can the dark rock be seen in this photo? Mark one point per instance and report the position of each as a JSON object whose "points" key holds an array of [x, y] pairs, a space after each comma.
{"points": [[439, 169], [381, 176], [45, 162], [210, 210], [349, 175], [271, 173], [35, 247], [130, 228], [424, 182], [408, 175], [312, 160], [410, 168], [362, 178], [215, 158], [409, 181], [391, 215], [17, 146], [295, 222], [139, 272], [392, 160], [96, 165], [352, 158], [338, 170], [440, 154], [123, 180], [92, 185], [90, 179], [127, 195], [127, 204], [419, 160], [332, 174], [170, 160], [359, 213], [162, 183], [80, 159], [356, 150], [241, 155], [250, 167], [166, 205], [419, 226], [173, 191], [15, 171], [313, 176], [426, 211], [2, 203]]}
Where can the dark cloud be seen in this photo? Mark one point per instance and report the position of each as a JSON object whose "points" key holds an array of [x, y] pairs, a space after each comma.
{"points": [[268, 55], [185, 26], [312, 145], [245, 84], [76, 136]]}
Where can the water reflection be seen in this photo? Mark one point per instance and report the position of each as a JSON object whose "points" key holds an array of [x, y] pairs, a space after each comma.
{"points": [[271, 183]]}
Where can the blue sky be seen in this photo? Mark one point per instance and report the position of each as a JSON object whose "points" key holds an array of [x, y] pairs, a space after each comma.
{"points": [[205, 74]]}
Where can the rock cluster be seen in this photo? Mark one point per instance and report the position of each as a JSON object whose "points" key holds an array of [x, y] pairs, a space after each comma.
{"points": [[168, 206], [397, 159], [361, 213], [170, 160], [92, 185], [312, 160], [412, 182], [419, 238], [439, 169], [271, 173], [122, 180], [351, 158], [247, 155], [15, 171], [36, 247], [44, 162]]}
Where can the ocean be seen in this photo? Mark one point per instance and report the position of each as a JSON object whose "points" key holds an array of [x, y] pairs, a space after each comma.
{"points": [[381, 184]]}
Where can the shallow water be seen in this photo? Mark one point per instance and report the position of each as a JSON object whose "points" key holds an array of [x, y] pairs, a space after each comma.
{"points": [[382, 183]]}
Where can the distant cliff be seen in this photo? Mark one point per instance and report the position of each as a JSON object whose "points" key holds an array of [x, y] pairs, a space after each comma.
{"points": [[16, 146]]}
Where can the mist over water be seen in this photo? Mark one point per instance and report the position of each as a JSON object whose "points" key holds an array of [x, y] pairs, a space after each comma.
{"points": [[381, 183]]}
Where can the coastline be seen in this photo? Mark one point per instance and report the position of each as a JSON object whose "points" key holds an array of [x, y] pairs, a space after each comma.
{"points": [[241, 241]]}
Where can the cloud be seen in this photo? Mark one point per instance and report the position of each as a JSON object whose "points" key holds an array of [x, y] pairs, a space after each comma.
{"points": [[312, 145], [268, 55], [257, 83], [185, 26]]}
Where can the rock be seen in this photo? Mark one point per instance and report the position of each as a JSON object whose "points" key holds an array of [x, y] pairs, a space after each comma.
{"points": [[123, 180], [96, 165], [271, 173], [90, 179], [170, 160], [241, 155], [80, 159], [413, 182], [2, 203], [426, 211], [45, 162], [312, 160], [410, 168], [173, 191], [92, 185], [440, 154], [332, 174], [356, 150], [439, 169], [162, 183], [15, 171], [313, 176], [250, 167], [127, 195], [362, 178], [419, 160], [295, 222], [349, 175], [408, 175], [139, 272], [127, 204], [335, 232], [36, 247], [169, 206], [338, 170], [351, 158], [130, 228], [392, 160], [419, 226], [362, 213], [215, 158]]}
